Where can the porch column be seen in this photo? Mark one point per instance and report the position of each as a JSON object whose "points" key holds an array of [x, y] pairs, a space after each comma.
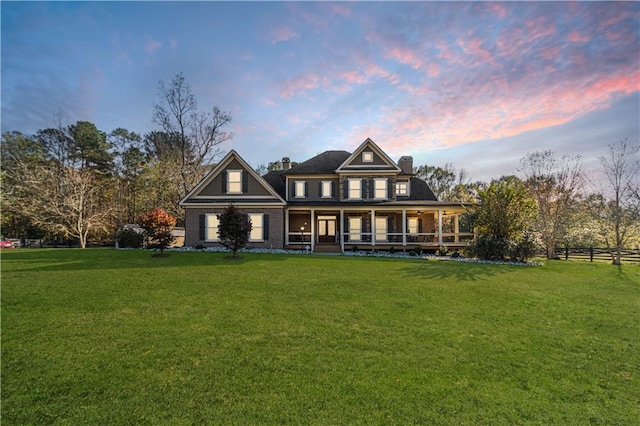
{"points": [[456, 227], [313, 229], [286, 227], [341, 228], [439, 227], [373, 227], [404, 227]]}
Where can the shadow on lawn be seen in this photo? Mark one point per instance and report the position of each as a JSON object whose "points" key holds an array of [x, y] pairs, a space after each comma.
{"points": [[460, 271], [110, 259]]}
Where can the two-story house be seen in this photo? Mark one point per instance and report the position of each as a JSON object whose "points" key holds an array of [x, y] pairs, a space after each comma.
{"points": [[332, 202]]}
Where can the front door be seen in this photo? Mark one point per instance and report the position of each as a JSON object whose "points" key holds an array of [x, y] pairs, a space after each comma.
{"points": [[327, 229]]}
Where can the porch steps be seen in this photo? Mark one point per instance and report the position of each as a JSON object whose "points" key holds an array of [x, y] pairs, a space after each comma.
{"points": [[327, 248]]}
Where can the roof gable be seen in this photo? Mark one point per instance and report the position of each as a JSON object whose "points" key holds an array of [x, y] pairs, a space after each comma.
{"points": [[211, 187], [368, 157]]}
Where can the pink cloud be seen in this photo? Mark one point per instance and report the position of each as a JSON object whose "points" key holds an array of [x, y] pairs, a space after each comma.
{"points": [[474, 47], [498, 108], [498, 8], [550, 52], [540, 27], [341, 9], [405, 56], [283, 34], [152, 46], [301, 83], [578, 37]]}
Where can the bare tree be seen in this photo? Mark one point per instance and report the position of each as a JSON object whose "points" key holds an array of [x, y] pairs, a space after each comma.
{"points": [[554, 184], [621, 165], [68, 202], [196, 135]]}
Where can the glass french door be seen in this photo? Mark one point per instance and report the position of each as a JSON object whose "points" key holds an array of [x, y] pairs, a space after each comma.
{"points": [[326, 229]]}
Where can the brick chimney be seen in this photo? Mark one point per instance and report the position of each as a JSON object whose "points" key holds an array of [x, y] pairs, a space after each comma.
{"points": [[286, 163], [406, 164]]}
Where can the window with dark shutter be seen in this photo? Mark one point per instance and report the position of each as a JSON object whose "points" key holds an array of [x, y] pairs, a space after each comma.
{"points": [[265, 227], [202, 227], [245, 183]]}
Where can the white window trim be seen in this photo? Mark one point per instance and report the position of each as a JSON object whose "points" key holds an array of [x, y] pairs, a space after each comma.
{"points": [[359, 197], [416, 225], [295, 189], [367, 157], [375, 188], [406, 194], [229, 171], [351, 229], [327, 184], [378, 232], [261, 227], [206, 228]]}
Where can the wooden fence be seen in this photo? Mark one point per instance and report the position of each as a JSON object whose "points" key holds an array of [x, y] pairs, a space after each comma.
{"points": [[593, 253]]}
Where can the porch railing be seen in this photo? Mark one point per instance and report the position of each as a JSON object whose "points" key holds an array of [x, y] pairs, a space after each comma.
{"points": [[424, 238]]}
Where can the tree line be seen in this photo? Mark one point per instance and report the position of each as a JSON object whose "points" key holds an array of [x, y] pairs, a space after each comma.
{"points": [[77, 181], [553, 203]]}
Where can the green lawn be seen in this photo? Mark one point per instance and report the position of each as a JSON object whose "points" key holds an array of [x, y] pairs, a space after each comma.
{"points": [[119, 337]]}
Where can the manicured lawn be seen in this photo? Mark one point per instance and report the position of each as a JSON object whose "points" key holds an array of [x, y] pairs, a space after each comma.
{"points": [[119, 337]]}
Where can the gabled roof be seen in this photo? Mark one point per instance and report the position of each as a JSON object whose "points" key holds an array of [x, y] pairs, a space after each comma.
{"points": [[325, 163], [194, 196], [348, 164]]}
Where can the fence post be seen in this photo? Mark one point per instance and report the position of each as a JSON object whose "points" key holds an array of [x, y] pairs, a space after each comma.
{"points": [[566, 252], [591, 254]]}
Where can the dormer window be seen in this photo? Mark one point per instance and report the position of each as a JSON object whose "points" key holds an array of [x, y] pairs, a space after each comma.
{"points": [[234, 181], [402, 189], [367, 157]]}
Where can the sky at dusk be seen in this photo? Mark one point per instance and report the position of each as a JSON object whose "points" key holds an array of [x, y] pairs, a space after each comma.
{"points": [[475, 84]]}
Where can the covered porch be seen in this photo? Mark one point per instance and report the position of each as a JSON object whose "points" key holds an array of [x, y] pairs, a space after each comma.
{"points": [[400, 228]]}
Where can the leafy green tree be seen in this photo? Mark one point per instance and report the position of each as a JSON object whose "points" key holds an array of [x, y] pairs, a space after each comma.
{"points": [[129, 162], [89, 147], [272, 166], [504, 216], [234, 228], [441, 180]]}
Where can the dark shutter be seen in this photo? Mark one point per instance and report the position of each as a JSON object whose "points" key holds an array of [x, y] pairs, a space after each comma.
{"points": [[390, 224], [202, 227], [320, 194], [419, 225], [389, 188], [345, 184], [245, 182], [224, 181], [306, 189], [265, 227], [333, 189]]}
